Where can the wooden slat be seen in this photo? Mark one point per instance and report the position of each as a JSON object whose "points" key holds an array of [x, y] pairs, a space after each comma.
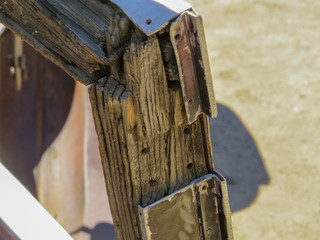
{"points": [[70, 33]]}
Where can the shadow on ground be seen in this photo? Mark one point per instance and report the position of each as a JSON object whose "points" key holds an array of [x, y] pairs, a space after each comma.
{"points": [[237, 158], [235, 155]]}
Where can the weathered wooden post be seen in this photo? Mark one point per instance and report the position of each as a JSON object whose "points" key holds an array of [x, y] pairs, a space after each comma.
{"points": [[150, 85]]}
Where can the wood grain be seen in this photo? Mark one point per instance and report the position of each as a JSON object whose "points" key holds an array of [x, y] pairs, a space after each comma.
{"points": [[70, 33], [147, 147]]}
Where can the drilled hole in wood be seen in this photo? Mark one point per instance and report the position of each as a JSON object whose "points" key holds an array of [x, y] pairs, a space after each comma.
{"points": [[204, 188], [145, 150], [187, 131], [190, 101], [148, 21], [190, 166], [153, 183], [177, 36]]}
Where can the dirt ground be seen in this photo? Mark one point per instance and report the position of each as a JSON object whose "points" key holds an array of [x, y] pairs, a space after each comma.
{"points": [[265, 57]]}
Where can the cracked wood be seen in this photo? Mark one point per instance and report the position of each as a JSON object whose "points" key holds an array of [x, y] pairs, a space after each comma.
{"points": [[70, 33], [148, 150]]}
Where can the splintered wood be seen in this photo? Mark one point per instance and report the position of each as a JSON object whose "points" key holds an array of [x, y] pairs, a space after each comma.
{"points": [[148, 150]]}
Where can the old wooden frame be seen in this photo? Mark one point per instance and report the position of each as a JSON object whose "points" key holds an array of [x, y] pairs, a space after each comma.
{"points": [[147, 148]]}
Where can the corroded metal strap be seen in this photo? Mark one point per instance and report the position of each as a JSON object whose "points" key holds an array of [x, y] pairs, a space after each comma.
{"points": [[189, 44]]}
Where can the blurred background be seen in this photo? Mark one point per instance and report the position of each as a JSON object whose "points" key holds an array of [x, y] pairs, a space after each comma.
{"points": [[265, 61]]}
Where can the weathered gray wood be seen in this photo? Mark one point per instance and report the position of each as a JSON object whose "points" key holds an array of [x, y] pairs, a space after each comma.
{"points": [[70, 33], [147, 147]]}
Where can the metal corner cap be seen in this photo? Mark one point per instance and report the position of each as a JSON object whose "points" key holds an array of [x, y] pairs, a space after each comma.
{"points": [[152, 15]]}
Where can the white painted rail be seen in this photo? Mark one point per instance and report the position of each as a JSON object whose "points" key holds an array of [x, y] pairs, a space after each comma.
{"points": [[24, 214]]}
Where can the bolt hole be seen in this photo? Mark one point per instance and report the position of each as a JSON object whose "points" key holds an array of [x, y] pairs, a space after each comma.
{"points": [[187, 131], [204, 188], [148, 21], [145, 150], [190, 166], [177, 37], [153, 183], [190, 101]]}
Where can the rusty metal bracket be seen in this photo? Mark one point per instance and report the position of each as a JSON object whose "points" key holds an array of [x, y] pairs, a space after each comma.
{"points": [[198, 211], [189, 44]]}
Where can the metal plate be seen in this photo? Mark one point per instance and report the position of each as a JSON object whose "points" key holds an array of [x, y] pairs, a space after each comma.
{"points": [[208, 190], [225, 217], [173, 217], [152, 15], [189, 44], [198, 211]]}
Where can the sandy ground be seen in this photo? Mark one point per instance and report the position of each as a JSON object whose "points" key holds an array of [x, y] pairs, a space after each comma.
{"points": [[265, 58]]}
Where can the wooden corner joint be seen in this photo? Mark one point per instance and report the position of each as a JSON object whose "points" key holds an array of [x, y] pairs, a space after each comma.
{"points": [[187, 36]]}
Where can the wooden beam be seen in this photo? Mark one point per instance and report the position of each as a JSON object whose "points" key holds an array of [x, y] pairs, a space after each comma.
{"points": [[70, 33], [148, 150]]}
